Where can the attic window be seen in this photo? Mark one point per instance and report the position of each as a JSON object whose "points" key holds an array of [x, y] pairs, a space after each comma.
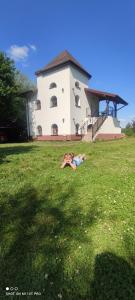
{"points": [[52, 85], [77, 85]]}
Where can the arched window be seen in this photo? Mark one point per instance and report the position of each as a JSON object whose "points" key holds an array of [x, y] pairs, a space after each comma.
{"points": [[54, 129], [53, 85], [53, 101], [38, 104], [39, 130], [77, 85], [77, 128], [77, 101]]}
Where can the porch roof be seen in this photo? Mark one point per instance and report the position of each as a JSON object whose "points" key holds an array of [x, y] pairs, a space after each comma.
{"points": [[106, 96]]}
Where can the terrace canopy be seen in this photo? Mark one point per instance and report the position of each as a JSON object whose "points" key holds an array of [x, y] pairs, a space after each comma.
{"points": [[108, 97]]}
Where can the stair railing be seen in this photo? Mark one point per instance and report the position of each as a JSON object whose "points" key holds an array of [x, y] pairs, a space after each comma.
{"points": [[90, 120], [95, 127]]}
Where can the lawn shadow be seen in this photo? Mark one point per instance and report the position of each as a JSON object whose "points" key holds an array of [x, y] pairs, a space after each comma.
{"points": [[37, 233], [129, 244], [114, 278], [5, 152]]}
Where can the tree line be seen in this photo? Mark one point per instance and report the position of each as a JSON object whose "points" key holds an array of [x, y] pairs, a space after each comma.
{"points": [[130, 128]]}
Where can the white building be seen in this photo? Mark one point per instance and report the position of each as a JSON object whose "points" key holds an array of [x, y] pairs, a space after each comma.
{"points": [[65, 108]]}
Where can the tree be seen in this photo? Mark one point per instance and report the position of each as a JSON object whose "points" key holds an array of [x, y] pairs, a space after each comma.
{"points": [[23, 82], [24, 85], [8, 88], [12, 84], [128, 125], [133, 125], [130, 128]]}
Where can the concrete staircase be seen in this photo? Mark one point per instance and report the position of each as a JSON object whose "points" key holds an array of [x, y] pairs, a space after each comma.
{"points": [[94, 125], [88, 136]]}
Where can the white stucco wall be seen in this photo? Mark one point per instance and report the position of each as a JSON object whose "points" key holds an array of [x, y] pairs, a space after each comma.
{"points": [[78, 114], [54, 115], [111, 125], [66, 109]]}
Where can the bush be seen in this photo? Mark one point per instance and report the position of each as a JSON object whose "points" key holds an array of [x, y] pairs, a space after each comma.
{"points": [[129, 131]]}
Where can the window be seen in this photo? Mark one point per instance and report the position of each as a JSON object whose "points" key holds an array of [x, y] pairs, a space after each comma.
{"points": [[53, 101], [52, 85], [77, 128], [39, 130], [38, 104], [77, 85], [77, 101], [54, 129]]}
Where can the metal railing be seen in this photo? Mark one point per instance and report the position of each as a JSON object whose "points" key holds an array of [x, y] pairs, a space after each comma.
{"points": [[95, 121], [90, 120]]}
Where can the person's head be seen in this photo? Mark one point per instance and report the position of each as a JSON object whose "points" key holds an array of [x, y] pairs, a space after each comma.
{"points": [[68, 157]]}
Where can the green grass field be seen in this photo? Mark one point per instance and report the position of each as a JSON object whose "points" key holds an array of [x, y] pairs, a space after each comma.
{"points": [[68, 234]]}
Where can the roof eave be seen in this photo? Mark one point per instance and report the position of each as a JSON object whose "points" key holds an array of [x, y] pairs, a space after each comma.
{"points": [[43, 71], [121, 101], [106, 95]]}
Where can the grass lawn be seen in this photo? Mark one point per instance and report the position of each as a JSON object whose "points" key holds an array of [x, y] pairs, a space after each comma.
{"points": [[68, 234]]}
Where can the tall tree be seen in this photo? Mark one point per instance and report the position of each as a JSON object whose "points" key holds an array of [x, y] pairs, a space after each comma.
{"points": [[8, 88], [12, 84], [24, 85]]}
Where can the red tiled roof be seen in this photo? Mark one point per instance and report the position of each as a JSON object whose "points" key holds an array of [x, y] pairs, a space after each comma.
{"points": [[102, 95], [62, 59]]}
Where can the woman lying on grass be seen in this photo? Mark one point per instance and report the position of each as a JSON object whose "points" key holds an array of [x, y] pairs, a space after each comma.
{"points": [[72, 161]]}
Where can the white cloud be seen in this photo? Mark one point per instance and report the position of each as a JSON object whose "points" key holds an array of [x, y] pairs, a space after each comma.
{"points": [[33, 47], [20, 53]]}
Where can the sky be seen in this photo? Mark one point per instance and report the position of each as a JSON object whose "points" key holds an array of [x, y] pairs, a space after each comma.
{"points": [[99, 34]]}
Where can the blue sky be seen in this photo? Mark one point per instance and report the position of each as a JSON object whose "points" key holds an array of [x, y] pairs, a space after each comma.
{"points": [[100, 34]]}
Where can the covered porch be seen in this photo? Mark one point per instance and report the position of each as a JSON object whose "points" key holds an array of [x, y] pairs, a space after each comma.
{"points": [[112, 103], [101, 121]]}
